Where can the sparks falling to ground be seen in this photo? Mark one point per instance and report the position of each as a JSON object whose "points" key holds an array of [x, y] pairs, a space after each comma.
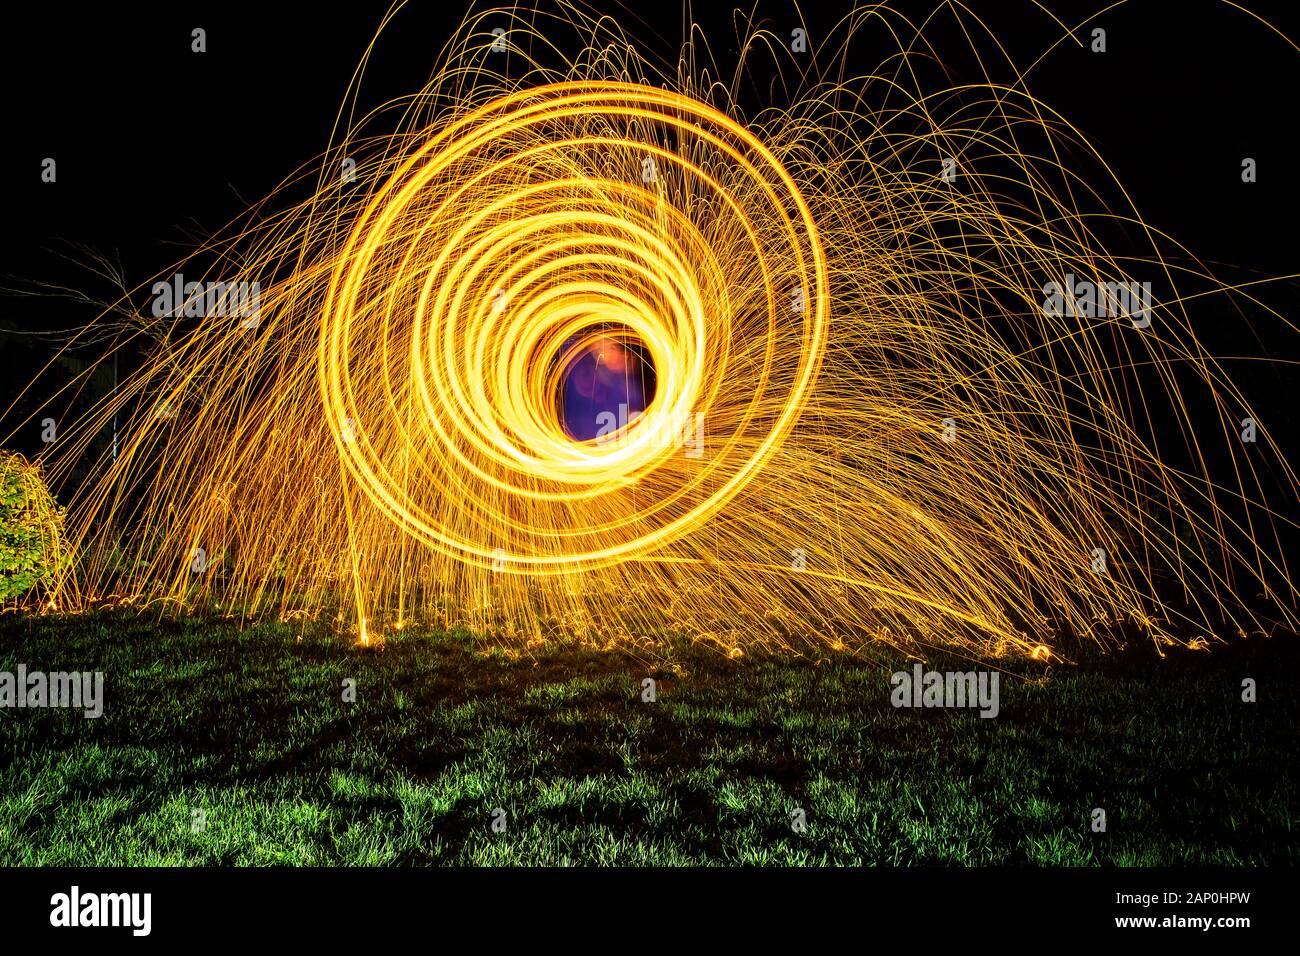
{"points": [[901, 391]]}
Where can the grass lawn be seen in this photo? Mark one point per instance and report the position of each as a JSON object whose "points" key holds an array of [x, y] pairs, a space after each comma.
{"points": [[226, 747]]}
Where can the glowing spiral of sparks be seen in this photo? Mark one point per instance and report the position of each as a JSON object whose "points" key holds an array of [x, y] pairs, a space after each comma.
{"points": [[867, 423], [514, 235]]}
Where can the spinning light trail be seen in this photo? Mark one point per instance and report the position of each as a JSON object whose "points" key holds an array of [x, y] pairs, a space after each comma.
{"points": [[868, 421]]}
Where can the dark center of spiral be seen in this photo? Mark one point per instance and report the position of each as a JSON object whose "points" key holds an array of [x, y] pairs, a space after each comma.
{"points": [[606, 382]]}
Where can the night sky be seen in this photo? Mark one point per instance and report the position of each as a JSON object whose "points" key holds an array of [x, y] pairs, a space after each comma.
{"points": [[158, 147]]}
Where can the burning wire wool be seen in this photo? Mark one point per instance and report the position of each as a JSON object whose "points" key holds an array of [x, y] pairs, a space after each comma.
{"points": [[883, 407]]}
